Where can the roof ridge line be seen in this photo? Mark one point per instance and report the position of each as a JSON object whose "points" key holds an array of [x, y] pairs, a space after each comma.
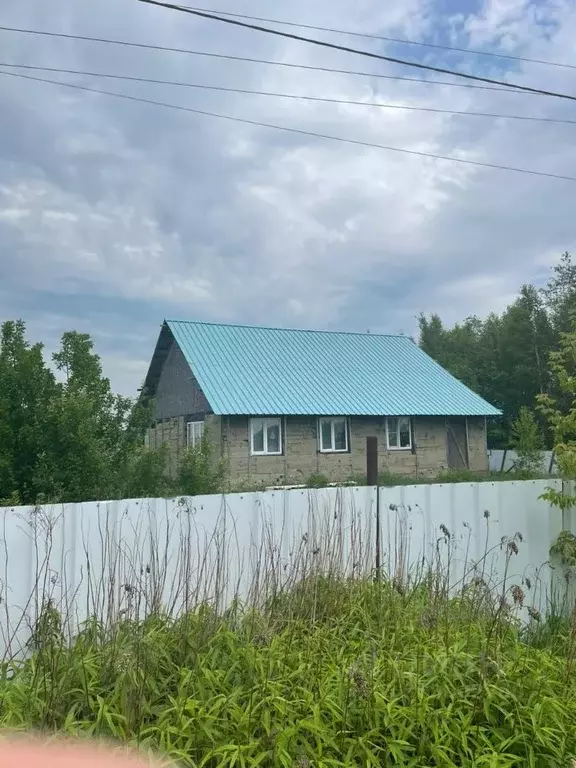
{"points": [[296, 330]]}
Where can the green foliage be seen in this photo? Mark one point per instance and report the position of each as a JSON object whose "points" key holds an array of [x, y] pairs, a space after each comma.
{"points": [[145, 474], [317, 480], [560, 412], [564, 548], [553, 634], [468, 476], [67, 437], [199, 472], [560, 294], [390, 479], [333, 673], [504, 357], [67, 440], [527, 442], [47, 631], [26, 387]]}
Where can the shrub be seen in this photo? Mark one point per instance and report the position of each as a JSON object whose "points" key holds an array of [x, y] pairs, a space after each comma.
{"points": [[146, 475], [389, 479], [468, 476], [527, 442], [199, 471], [317, 480]]}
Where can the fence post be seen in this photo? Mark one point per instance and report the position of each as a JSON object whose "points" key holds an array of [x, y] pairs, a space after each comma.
{"points": [[372, 479]]}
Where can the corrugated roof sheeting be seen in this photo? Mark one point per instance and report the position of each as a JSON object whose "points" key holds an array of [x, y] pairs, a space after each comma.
{"points": [[245, 370]]}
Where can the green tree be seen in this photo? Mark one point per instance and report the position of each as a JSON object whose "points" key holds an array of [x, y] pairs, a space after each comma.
{"points": [[93, 432], [560, 411], [526, 340], [26, 386], [526, 439], [560, 294], [67, 437], [455, 348], [503, 357], [69, 440]]}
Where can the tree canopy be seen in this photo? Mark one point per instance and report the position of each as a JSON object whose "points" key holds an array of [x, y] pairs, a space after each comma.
{"points": [[505, 357], [61, 439], [65, 436]]}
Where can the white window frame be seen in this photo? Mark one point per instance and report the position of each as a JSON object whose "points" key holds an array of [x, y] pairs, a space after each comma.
{"points": [[194, 433], [398, 447], [331, 420], [267, 421]]}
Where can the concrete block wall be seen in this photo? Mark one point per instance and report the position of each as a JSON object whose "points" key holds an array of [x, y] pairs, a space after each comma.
{"points": [[301, 458], [173, 432], [477, 444]]}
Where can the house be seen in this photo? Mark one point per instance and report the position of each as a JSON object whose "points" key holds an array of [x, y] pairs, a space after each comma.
{"points": [[280, 405]]}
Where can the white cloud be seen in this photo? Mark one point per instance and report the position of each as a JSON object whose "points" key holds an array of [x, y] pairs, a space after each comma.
{"points": [[14, 214], [60, 216]]}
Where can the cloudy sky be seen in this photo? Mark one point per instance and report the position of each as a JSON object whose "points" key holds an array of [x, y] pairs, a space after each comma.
{"points": [[116, 214]]}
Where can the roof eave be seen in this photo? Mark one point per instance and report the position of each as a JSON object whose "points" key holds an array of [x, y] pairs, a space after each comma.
{"points": [[312, 414]]}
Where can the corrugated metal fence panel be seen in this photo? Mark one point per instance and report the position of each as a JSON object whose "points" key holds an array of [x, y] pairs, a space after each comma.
{"points": [[130, 556], [468, 526], [502, 461]]}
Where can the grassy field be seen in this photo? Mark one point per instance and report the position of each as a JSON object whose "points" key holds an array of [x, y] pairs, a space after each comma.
{"points": [[330, 673]]}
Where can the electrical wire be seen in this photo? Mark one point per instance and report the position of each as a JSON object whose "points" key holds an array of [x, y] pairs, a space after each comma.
{"points": [[356, 51], [276, 94], [230, 57], [298, 131], [399, 40]]}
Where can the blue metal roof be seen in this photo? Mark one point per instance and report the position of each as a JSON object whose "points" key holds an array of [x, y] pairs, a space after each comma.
{"points": [[256, 371]]}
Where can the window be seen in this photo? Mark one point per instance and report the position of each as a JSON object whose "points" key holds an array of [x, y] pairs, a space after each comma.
{"points": [[265, 437], [194, 433], [333, 435], [399, 433]]}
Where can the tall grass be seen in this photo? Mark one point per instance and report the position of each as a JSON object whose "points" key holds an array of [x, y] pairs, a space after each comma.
{"points": [[325, 663]]}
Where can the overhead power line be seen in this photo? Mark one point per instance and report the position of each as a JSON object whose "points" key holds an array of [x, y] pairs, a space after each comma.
{"points": [[356, 51], [400, 40], [294, 96], [286, 129], [230, 57]]}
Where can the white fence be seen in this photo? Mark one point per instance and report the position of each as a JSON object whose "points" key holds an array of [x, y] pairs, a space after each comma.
{"points": [[128, 556]]}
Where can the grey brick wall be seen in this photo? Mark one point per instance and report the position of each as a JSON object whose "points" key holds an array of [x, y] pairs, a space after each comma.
{"points": [[301, 458]]}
